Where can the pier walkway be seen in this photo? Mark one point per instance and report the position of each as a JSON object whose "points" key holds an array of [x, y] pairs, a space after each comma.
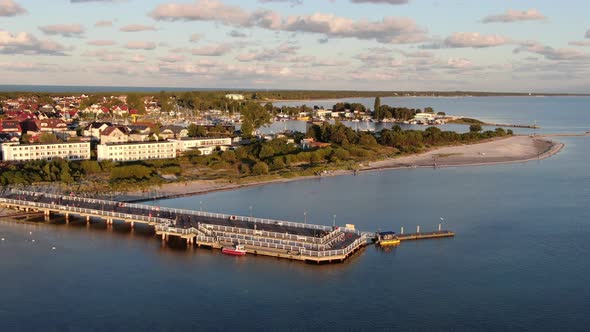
{"points": [[284, 239]]}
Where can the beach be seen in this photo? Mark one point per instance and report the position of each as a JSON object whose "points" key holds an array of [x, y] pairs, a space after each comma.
{"points": [[510, 149]]}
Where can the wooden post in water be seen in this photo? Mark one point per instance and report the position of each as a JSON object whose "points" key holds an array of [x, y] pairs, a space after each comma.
{"points": [[402, 231], [418, 229], [439, 227]]}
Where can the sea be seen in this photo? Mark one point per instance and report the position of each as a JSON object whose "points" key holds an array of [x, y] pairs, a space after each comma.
{"points": [[518, 262]]}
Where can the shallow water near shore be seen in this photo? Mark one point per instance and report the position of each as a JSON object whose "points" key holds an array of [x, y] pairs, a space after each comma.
{"points": [[518, 261]]}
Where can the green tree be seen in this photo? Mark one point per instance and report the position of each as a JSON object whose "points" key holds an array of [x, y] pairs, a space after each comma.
{"points": [[48, 138], [377, 108], [475, 128], [196, 131], [135, 101], [260, 168], [254, 116]]}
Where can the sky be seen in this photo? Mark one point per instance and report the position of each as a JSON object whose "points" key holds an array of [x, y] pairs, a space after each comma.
{"points": [[446, 45]]}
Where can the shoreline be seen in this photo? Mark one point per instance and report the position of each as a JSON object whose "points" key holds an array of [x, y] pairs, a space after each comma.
{"points": [[508, 150]]}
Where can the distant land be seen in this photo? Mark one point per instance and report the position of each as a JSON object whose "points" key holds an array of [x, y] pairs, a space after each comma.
{"points": [[267, 94]]}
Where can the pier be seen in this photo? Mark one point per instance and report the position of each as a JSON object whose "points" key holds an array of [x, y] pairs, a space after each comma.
{"points": [[283, 239]]}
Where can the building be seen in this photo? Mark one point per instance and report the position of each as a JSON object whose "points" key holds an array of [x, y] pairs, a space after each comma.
{"points": [[136, 151], [204, 144], [26, 152], [114, 134], [234, 96], [94, 129]]}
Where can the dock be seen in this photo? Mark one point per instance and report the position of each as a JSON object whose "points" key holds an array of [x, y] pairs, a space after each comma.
{"points": [[425, 235], [276, 238]]}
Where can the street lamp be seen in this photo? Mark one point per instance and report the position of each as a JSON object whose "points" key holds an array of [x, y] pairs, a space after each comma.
{"points": [[305, 216], [334, 222], [201, 206], [251, 211]]}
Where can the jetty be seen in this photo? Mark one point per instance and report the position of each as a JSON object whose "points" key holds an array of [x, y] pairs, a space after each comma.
{"points": [[277, 238]]}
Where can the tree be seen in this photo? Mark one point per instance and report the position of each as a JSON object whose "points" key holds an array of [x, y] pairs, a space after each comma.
{"points": [[377, 108], [260, 168], [475, 128], [135, 101], [48, 138], [196, 131], [254, 116]]}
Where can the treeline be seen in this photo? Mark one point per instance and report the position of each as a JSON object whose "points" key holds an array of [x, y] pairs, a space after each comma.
{"points": [[411, 141], [57, 170]]}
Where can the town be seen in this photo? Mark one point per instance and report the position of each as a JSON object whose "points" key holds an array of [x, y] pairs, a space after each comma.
{"points": [[134, 127]]}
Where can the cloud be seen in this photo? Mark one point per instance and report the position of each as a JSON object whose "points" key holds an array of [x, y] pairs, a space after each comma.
{"points": [[385, 2], [195, 37], [212, 50], [103, 24], [237, 34], [387, 30], [140, 45], [11, 8], [512, 15], [588, 34], [137, 28], [84, 1], [28, 44], [280, 53], [580, 43], [172, 58], [101, 42], [103, 55], [292, 2], [65, 30], [468, 39], [138, 58], [550, 53]]}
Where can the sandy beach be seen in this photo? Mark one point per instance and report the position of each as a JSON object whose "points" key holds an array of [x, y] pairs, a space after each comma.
{"points": [[506, 150]]}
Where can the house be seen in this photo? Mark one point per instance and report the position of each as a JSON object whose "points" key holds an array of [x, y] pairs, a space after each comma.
{"points": [[67, 151], [114, 134], [204, 144], [310, 143], [136, 151], [11, 127], [172, 131], [94, 129]]}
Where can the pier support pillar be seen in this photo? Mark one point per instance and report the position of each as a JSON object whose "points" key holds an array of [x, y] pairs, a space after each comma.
{"points": [[132, 225], [88, 219], [47, 215], [67, 218]]}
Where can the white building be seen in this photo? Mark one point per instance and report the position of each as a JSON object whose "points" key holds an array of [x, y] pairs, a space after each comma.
{"points": [[136, 151], [204, 144], [66, 151], [234, 96]]}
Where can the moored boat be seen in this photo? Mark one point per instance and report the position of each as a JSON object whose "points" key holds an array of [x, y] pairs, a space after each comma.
{"points": [[387, 239], [238, 250]]}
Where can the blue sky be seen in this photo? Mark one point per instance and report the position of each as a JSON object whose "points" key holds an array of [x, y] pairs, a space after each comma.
{"points": [[302, 44]]}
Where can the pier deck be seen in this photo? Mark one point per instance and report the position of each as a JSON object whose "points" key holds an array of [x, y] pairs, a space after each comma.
{"points": [[285, 239], [425, 235]]}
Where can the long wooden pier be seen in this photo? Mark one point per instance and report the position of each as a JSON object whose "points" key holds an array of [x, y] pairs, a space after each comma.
{"points": [[425, 235], [276, 238]]}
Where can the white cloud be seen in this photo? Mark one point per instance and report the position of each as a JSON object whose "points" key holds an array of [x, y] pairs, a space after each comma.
{"points": [[28, 44], [580, 43], [550, 53], [386, 2], [387, 30], [138, 58], [172, 58], [195, 37], [103, 24], [103, 55], [137, 28], [512, 15], [140, 45], [11, 8], [65, 30], [212, 50], [469, 39], [101, 42]]}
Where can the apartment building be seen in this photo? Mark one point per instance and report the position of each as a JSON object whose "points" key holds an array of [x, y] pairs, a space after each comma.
{"points": [[65, 150]]}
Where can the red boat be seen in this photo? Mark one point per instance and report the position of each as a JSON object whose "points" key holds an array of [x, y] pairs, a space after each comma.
{"points": [[235, 251]]}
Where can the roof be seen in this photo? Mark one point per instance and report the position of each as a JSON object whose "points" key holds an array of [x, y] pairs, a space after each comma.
{"points": [[387, 233]]}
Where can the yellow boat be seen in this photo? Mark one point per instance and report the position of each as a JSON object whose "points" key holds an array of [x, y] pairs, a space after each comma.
{"points": [[387, 239]]}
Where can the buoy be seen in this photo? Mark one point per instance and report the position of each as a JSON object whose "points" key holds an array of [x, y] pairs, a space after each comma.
{"points": [[30, 233], [33, 240], [52, 248], [2, 239]]}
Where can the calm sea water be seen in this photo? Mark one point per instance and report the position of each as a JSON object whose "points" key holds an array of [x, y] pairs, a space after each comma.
{"points": [[518, 262]]}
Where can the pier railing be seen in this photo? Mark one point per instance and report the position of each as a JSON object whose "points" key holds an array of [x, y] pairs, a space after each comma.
{"points": [[179, 211], [338, 252], [253, 232], [91, 212]]}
